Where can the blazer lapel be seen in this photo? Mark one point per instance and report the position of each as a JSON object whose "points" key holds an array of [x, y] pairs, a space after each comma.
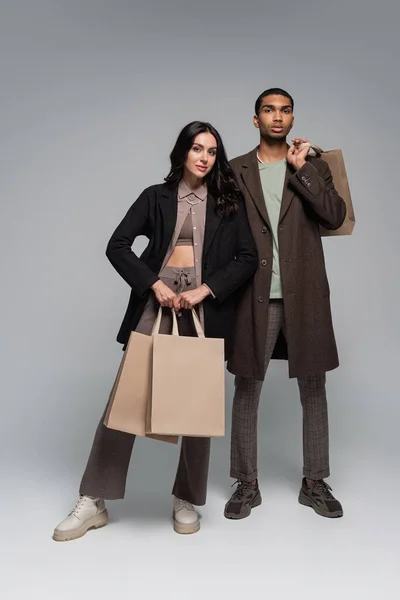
{"points": [[287, 194], [251, 177], [213, 220], [169, 211]]}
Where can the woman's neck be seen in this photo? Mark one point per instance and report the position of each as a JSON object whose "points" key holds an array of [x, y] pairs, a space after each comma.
{"points": [[192, 181]]}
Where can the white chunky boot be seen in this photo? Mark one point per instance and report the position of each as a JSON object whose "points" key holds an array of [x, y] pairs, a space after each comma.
{"points": [[88, 513], [186, 519]]}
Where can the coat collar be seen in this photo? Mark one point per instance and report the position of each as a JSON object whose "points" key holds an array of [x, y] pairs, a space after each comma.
{"points": [[288, 192], [169, 206], [169, 210], [251, 178]]}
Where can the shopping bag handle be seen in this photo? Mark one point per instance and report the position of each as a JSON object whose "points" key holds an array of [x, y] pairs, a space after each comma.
{"points": [[317, 150], [197, 324], [196, 321], [157, 323], [175, 331]]}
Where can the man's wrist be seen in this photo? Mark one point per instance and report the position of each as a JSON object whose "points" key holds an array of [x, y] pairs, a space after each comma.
{"points": [[300, 164]]}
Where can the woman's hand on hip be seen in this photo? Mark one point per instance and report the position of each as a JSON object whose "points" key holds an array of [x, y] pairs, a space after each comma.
{"points": [[165, 296], [190, 298]]}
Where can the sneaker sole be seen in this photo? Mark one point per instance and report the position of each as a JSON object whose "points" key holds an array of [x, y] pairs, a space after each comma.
{"points": [[245, 513], [95, 522], [186, 528], [305, 501]]}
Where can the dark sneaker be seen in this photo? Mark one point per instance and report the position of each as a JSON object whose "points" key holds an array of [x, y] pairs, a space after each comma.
{"points": [[318, 496], [243, 499]]}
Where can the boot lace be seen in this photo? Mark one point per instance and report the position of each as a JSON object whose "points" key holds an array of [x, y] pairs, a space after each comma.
{"points": [[78, 505], [183, 504]]}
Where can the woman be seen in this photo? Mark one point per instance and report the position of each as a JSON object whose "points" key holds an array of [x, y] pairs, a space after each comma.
{"points": [[200, 253]]}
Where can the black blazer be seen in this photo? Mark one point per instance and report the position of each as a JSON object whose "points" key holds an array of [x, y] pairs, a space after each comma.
{"points": [[229, 257]]}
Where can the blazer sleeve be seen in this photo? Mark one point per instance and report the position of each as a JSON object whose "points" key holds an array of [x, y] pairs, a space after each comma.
{"points": [[119, 249], [315, 187], [227, 280]]}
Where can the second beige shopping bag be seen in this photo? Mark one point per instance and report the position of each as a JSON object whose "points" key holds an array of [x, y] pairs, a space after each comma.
{"points": [[188, 385], [127, 406]]}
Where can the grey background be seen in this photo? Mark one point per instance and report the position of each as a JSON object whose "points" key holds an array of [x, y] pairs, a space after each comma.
{"points": [[92, 97]]}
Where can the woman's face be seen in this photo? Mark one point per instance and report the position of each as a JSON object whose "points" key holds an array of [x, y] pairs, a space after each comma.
{"points": [[202, 155]]}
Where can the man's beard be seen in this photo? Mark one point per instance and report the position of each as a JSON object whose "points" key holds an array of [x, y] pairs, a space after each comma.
{"points": [[276, 138]]}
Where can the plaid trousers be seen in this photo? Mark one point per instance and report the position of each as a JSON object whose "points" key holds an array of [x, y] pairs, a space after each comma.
{"points": [[245, 413]]}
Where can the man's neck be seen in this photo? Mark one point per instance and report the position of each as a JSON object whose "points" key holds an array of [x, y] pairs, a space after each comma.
{"points": [[272, 150]]}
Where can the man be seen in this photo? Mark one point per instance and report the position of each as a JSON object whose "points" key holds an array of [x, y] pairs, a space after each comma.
{"points": [[285, 311]]}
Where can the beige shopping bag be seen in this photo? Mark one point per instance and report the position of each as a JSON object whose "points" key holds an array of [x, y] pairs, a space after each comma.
{"points": [[188, 390], [335, 161], [127, 406]]}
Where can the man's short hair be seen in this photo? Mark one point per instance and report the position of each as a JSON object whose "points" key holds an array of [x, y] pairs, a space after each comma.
{"points": [[272, 92]]}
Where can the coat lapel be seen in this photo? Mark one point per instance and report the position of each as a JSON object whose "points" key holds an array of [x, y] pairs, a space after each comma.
{"points": [[251, 178], [287, 194], [169, 210], [213, 220]]}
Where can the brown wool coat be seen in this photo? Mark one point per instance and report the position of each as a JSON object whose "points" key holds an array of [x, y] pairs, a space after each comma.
{"points": [[309, 199]]}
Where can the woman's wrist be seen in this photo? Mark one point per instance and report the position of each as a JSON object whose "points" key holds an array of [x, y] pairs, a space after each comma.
{"points": [[207, 289], [156, 284]]}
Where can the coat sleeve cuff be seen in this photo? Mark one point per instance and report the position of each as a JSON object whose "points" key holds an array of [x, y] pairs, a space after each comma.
{"points": [[210, 290], [308, 176]]}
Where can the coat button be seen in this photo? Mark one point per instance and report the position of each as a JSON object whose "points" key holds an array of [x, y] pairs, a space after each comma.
{"points": [[264, 230], [264, 262], [260, 299]]}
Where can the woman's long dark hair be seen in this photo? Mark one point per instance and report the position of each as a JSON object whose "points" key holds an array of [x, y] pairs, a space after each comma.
{"points": [[220, 180]]}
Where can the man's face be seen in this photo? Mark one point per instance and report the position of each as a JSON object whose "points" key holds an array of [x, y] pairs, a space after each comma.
{"points": [[275, 118]]}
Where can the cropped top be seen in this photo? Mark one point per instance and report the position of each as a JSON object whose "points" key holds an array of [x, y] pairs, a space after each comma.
{"points": [[185, 237]]}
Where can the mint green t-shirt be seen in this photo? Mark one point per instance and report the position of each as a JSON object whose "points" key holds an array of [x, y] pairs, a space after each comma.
{"points": [[272, 177]]}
